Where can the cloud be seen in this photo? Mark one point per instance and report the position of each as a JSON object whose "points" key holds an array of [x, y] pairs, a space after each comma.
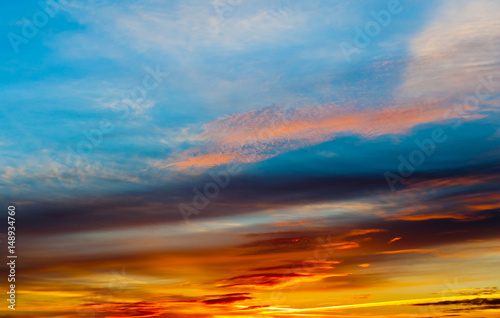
{"points": [[413, 250], [394, 240], [419, 201], [472, 291], [274, 280], [341, 245], [227, 299], [471, 304], [461, 197], [265, 133], [357, 232], [141, 309], [317, 264], [460, 43], [183, 28]]}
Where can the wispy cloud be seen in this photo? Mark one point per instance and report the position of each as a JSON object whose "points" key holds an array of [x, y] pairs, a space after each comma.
{"points": [[460, 43], [262, 134]]}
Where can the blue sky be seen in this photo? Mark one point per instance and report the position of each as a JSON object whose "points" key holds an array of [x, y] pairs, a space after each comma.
{"points": [[268, 86], [64, 81]]}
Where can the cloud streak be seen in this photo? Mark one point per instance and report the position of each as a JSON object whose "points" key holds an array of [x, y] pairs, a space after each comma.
{"points": [[258, 135]]}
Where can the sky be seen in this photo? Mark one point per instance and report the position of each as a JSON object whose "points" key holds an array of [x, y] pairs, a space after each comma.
{"points": [[236, 158]]}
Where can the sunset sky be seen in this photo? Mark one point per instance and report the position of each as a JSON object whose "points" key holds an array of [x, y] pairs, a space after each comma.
{"points": [[237, 158]]}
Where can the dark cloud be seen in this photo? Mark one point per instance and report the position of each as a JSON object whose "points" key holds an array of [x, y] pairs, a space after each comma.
{"points": [[260, 280], [297, 265], [429, 234], [228, 299], [468, 305], [162, 205], [295, 179]]}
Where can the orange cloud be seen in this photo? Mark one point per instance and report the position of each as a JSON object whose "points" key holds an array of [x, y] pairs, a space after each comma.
{"points": [[394, 240], [364, 232], [227, 299], [274, 280], [415, 250], [341, 245], [310, 264], [461, 207], [261, 134]]}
